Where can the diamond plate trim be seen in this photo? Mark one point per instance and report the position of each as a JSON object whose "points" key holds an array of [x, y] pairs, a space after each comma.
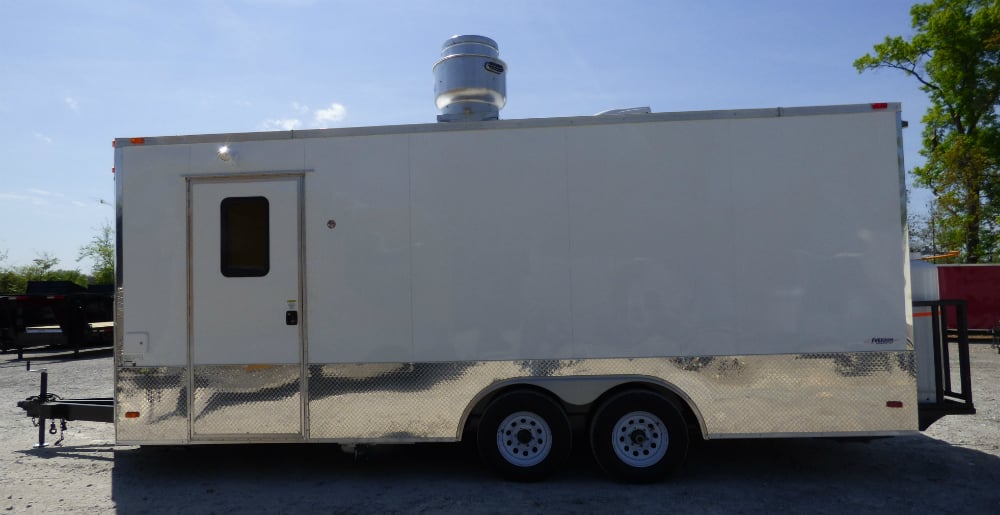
{"points": [[809, 394], [245, 400], [735, 395], [160, 397]]}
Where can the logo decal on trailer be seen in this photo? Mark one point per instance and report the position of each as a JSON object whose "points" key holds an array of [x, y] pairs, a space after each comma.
{"points": [[880, 341]]}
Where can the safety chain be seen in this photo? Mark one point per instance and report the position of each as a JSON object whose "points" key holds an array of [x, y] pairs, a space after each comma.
{"points": [[52, 429]]}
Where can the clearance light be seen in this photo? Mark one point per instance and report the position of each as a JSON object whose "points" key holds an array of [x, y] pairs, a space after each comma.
{"points": [[893, 404], [880, 105], [137, 141], [225, 153], [131, 414]]}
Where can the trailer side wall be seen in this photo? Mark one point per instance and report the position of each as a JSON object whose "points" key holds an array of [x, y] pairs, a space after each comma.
{"points": [[750, 261]]}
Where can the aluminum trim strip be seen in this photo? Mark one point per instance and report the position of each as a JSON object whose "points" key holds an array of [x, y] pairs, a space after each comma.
{"points": [[772, 112], [737, 436]]}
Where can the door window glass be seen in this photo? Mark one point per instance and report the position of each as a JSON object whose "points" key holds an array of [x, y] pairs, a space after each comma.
{"points": [[245, 237]]}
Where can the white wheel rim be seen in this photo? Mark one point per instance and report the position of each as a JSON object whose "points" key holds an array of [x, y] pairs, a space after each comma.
{"points": [[640, 439], [524, 439]]}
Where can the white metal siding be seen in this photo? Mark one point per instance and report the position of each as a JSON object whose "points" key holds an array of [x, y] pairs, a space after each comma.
{"points": [[724, 236], [154, 258], [491, 277], [358, 274]]}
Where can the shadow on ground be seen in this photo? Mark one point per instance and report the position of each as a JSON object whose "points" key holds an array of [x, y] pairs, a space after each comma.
{"points": [[55, 355], [909, 474], [82, 452]]}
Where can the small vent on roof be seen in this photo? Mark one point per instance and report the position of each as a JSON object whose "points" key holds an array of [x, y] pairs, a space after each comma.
{"points": [[627, 110]]}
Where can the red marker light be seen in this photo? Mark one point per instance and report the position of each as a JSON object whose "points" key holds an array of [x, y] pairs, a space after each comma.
{"points": [[880, 105], [893, 404]]}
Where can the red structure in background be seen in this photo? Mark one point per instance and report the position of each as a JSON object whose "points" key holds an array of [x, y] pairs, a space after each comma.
{"points": [[979, 285]]}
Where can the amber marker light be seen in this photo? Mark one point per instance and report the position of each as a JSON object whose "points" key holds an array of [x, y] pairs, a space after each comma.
{"points": [[131, 414]]}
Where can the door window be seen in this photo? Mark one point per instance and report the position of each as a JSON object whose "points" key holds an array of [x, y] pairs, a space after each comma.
{"points": [[245, 237]]}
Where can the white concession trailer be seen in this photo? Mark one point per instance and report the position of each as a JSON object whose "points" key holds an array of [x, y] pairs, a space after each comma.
{"points": [[634, 280], [745, 269]]}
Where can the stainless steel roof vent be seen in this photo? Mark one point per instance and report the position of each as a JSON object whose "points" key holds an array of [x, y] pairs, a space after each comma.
{"points": [[470, 80]]}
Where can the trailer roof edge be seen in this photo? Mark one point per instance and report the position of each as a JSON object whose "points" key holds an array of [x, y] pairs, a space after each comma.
{"points": [[771, 112]]}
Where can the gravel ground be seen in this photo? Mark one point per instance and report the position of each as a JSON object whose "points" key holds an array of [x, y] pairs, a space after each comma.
{"points": [[954, 467]]}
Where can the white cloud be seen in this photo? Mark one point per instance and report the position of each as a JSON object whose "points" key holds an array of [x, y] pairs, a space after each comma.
{"points": [[72, 103], [335, 113], [43, 138], [286, 124], [33, 200], [45, 193], [321, 118]]}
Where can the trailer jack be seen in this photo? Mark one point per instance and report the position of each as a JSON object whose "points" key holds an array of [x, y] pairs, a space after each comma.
{"points": [[48, 406]]}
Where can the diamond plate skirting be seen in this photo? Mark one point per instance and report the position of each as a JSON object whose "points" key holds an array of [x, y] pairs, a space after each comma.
{"points": [[160, 397], [237, 400], [732, 396]]}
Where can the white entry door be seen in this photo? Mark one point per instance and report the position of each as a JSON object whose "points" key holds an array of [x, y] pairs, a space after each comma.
{"points": [[246, 344]]}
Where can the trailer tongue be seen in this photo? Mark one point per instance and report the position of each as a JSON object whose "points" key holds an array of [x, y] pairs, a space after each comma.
{"points": [[47, 406]]}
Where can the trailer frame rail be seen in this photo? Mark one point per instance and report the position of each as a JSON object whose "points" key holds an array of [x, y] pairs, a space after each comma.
{"points": [[948, 400]]}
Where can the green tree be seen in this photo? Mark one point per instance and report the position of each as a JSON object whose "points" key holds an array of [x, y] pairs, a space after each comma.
{"points": [[42, 268], [102, 250], [955, 56], [10, 280]]}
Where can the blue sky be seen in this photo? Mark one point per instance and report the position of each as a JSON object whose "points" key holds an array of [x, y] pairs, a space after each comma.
{"points": [[76, 75]]}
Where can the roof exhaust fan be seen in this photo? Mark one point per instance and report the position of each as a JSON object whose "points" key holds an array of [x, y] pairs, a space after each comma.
{"points": [[470, 80]]}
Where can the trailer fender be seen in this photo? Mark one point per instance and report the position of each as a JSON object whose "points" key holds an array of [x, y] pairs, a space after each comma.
{"points": [[579, 391]]}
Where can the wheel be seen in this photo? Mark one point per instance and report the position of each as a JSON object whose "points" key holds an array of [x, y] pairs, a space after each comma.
{"points": [[638, 436], [524, 435]]}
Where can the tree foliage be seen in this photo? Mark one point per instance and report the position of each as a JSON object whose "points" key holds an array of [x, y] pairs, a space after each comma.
{"points": [[955, 56], [14, 280], [102, 250]]}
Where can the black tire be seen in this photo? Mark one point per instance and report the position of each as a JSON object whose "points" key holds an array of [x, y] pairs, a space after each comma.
{"points": [[639, 436], [524, 436]]}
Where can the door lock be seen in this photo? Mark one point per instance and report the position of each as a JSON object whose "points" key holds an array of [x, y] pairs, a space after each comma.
{"points": [[291, 317]]}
